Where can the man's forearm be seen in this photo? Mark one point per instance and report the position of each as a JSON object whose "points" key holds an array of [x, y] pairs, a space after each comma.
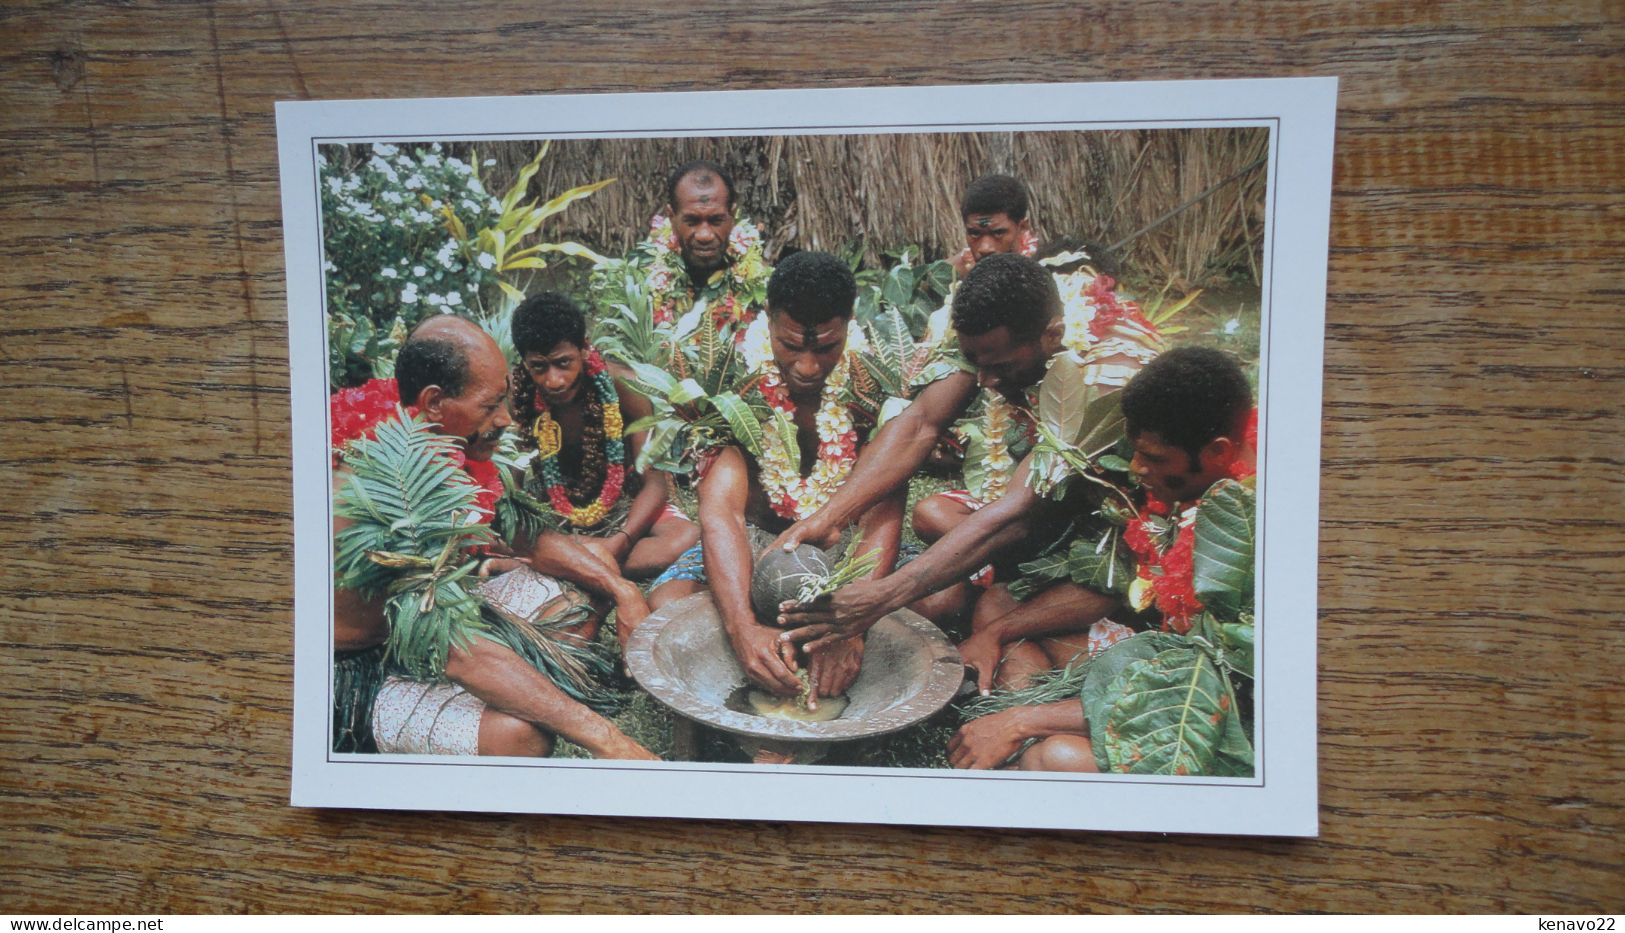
{"points": [[1047, 719], [561, 556], [961, 552], [887, 463], [647, 506], [1063, 609], [726, 547]]}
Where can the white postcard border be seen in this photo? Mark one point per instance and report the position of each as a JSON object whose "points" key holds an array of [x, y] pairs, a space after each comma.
{"points": [[1282, 799]]}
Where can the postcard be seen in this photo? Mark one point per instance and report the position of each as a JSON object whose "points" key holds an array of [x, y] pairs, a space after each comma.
{"points": [[940, 455]]}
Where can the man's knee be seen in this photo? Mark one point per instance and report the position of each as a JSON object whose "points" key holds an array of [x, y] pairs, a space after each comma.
{"points": [[935, 516], [1060, 753], [673, 590], [510, 736]]}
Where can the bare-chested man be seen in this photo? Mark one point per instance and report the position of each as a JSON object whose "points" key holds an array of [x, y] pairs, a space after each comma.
{"points": [[809, 308], [491, 702], [599, 523]]}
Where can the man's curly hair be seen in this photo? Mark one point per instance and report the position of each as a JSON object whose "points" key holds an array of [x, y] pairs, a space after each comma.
{"points": [[995, 194], [813, 288], [703, 168], [546, 319], [1006, 290], [1188, 397]]}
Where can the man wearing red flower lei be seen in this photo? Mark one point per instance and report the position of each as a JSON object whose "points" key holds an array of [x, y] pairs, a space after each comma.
{"points": [[454, 376], [1190, 418], [809, 307], [598, 522]]}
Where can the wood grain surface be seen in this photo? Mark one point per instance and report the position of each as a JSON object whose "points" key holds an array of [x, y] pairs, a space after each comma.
{"points": [[1472, 508]]}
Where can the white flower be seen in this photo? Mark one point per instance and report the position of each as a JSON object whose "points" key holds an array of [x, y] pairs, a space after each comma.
{"points": [[489, 162], [334, 185], [387, 273], [397, 222], [471, 207], [391, 197], [454, 298], [430, 159], [384, 149], [419, 271], [414, 181], [434, 299], [409, 294], [1232, 325], [328, 266], [487, 261]]}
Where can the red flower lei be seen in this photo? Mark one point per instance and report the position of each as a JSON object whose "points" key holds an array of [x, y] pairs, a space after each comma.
{"points": [[1109, 309], [356, 413], [1171, 572]]}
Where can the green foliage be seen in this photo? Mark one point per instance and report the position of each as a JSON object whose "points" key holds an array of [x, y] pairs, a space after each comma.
{"points": [[1077, 423], [409, 231], [905, 285], [1162, 715], [410, 525], [1225, 532]]}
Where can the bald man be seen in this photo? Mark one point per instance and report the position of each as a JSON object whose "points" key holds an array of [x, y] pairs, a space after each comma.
{"points": [[491, 701]]}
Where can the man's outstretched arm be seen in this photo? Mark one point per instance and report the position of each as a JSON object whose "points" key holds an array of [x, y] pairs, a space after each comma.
{"points": [[895, 453], [728, 564], [852, 609]]}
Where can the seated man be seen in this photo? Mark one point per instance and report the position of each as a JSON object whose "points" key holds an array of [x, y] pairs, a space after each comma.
{"points": [[1007, 317], [697, 252], [485, 698], [1187, 416], [809, 308], [595, 521]]}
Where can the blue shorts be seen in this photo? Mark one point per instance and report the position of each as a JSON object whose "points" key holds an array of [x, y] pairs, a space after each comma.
{"points": [[689, 565]]}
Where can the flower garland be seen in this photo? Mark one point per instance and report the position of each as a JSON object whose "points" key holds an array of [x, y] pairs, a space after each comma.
{"points": [[998, 416], [1165, 551], [792, 496], [1091, 310], [355, 413], [743, 274], [550, 440]]}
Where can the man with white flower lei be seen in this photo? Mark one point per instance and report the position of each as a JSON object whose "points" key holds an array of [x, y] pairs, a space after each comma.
{"points": [[809, 309], [1008, 320], [698, 250]]}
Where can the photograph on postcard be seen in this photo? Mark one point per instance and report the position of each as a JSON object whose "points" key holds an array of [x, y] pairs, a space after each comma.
{"points": [[829, 450]]}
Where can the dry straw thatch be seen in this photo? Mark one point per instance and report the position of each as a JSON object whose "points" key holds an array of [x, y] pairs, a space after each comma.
{"points": [[820, 192]]}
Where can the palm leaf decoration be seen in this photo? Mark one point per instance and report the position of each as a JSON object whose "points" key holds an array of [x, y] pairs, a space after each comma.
{"points": [[413, 522]]}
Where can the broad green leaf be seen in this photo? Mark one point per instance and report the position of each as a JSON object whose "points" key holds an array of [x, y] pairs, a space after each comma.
{"points": [[746, 429], [522, 181], [686, 391], [1102, 565], [510, 291], [788, 436], [1037, 574], [899, 286], [1168, 715], [1097, 688], [645, 423], [1236, 638], [1063, 399], [1102, 427], [890, 409], [528, 262], [657, 446], [652, 380], [1113, 462], [1224, 549]]}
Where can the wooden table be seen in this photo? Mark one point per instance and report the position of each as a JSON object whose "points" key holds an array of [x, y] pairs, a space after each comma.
{"points": [[1470, 580]]}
